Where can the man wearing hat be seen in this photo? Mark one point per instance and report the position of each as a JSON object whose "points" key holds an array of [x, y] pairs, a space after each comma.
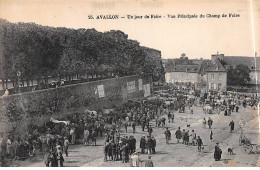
{"points": [[153, 144], [142, 144], [131, 146], [149, 145], [167, 134]]}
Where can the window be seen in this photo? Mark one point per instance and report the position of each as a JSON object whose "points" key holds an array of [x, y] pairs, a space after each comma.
{"points": [[212, 86], [212, 77], [219, 76]]}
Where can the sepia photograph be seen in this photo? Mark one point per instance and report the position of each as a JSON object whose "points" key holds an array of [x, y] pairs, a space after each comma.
{"points": [[123, 83]]}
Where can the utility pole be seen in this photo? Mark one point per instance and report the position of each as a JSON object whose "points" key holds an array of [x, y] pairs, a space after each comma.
{"points": [[256, 81]]}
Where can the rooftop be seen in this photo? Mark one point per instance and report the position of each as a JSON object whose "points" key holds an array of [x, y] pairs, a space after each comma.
{"points": [[248, 61], [184, 68], [216, 66]]}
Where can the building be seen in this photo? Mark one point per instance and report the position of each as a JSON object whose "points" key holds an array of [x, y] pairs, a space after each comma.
{"points": [[253, 63], [216, 76], [183, 73], [206, 75]]}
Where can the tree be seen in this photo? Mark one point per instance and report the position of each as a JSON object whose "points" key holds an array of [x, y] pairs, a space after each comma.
{"points": [[39, 51], [238, 76]]}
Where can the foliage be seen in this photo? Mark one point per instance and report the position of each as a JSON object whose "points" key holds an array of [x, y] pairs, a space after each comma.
{"points": [[38, 51], [238, 75]]}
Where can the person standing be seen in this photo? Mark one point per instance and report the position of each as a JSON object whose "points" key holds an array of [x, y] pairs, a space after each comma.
{"points": [[210, 122], [150, 130], [47, 158], [142, 144], [204, 123], [147, 122], [110, 151], [54, 160], [217, 152], [106, 148], [134, 143], [149, 145], [143, 123], [211, 135], [114, 150], [193, 137], [94, 137], [167, 135], [237, 108], [225, 112], [218, 110], [172, 117], [135, 160], [60, 159], [73, 135], [153, 145], [127, 120], [124, 150], [169, 117], [66, 145], [232, 126], [183, 135], [178, 134], [156, 120], [133, 126], [86, 137], [200, 143], [186, 137]]}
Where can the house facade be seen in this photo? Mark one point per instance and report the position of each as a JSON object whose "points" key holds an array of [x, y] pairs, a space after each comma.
{"points": [[212, 74], [216, 75], [183, 73]]}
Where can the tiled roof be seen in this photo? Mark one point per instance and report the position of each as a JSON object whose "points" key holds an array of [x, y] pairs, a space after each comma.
{"points": [[236, 60], [184, 68], [216, 66]]}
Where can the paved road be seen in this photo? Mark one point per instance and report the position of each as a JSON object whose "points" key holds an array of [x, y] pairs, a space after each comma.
{"points": [[179, 155]]}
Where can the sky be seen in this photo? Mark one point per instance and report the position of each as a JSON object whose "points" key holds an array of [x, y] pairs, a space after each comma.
{"points": [[197, 37]]}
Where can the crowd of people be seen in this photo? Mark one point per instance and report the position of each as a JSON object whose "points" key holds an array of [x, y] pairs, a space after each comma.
{"points": [[53, 139]]}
